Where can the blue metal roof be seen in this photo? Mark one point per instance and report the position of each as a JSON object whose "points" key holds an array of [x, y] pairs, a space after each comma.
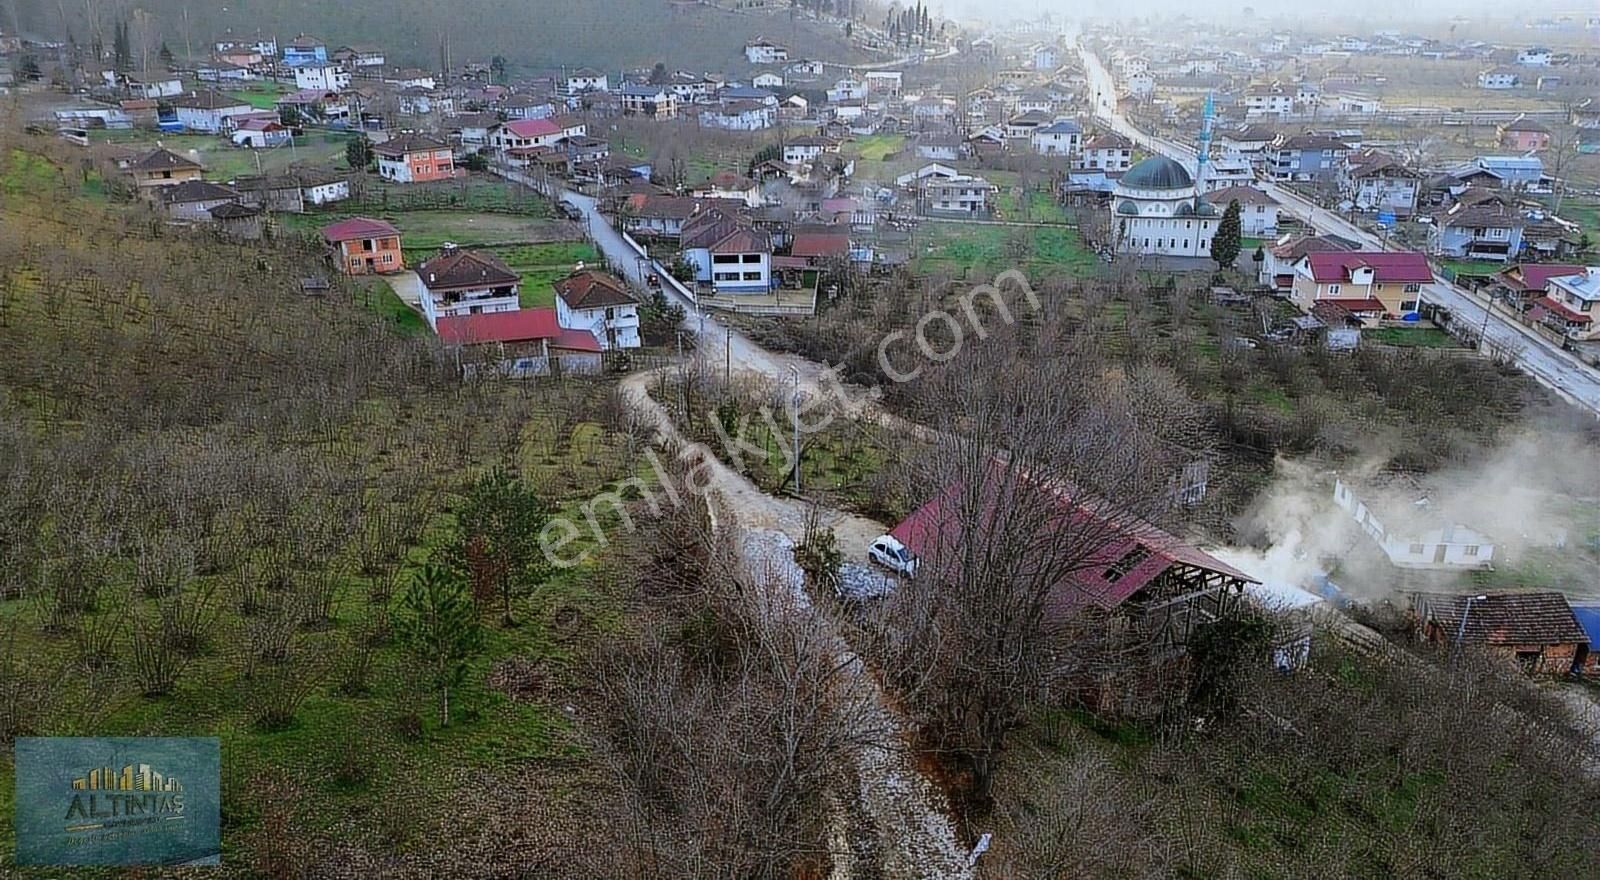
{"points": [[1589, 618]]}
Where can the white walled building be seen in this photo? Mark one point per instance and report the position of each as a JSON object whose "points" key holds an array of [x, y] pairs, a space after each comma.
{"points": [[1155, 211], [1413, 536]]}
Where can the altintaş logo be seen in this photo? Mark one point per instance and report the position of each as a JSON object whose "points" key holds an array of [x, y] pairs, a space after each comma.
{"points": [[104, 798], [118, 800]]}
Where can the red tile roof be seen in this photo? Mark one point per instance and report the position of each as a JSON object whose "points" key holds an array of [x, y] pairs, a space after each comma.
{"points": [[934, 530], [522, 325], [1536, 276], [1563, 310], [1334, 267], [456, 269], [529, 128], [357, 227], [1521, 618], [820, 244], [589, 289], [1370, 304]]}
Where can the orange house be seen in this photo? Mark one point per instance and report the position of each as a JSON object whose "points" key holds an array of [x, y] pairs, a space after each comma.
{"points": [[364, 246], [414, 158]]}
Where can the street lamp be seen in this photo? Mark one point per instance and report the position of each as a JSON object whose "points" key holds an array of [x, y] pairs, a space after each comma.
{"points": [[1461, 630]]}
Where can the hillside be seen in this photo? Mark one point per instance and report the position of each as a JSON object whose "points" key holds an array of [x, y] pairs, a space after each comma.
{"points": [[621, 33]]}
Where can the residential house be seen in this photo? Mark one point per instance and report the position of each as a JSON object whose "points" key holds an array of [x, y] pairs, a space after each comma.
{"points": [[1527, 282], [599, 303], [259, 133], [768, 80], [1037, 100], [1535, 629], [1572, 304], [519, 342], [1109, 152], [764, 51], [527, 137], [662, 215], [582, 150], [1588, 615], [1395, 513], [1247, 140], [806, 148], [1024, 125], [739, 116], [1045, 58], [527, 107], [1060, 138], [727, 252], [1586, 114], [193, 200], [1227, 171], [1355, 104], [414, 158], [1268, 100], [321, 76], [847, 90], [729, 94], [357, 57], [162, 167], [1304, 157], [457, 281], [729, 185], [655, 102], [1370, 284], [1258, 212], [1375, 181], [304, 49], [281, 193], [587, 79], [942, 146], [1524, 135], [1279, 259], [363, 246], [418, 101], [1503, 172], [144, 87], [223, 72], [882, 83], [472, 129], [239, 222], [1536, 56], [820, 247], [324, 188], [960, 196], [1487, 230], [805, 67], [410, 78], [1500, 79], [209, 111]]}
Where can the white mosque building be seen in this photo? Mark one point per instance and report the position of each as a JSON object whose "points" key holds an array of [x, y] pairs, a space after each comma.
{"points": [[1156, 210]]}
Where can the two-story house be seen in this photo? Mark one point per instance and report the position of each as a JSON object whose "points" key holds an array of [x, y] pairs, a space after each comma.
{"points": [[321, 76], [162, 167], [1487, 230], [601, 304], [1268, 100], [527, 136], [359, 56], [192, 200], [1304, 157], [1500, 79], [414, 158], [960, 196], [1024, 125], [1060, 138], [1375, 181], [654, 102], [806, 148], [465, 282], [587, 79], [1535, 56], [1111, 153], [363, 246], [1258, 212], [764, 51], [1368, 284], [1279, 259], [1524, 135], [1572, 304], [727, 253], [208, 111], [729, 185], [304, 49], [1527, 282]]}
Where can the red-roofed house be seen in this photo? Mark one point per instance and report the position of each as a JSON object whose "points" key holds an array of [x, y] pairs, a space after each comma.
{"points": [[1119, 561], [1529, 281], [522, 138], [414, 158], [1571, 304], [598, 303], [522, 342], [365, 246], [819, 247], [727, 252], [1370, 284], [461, 282]]}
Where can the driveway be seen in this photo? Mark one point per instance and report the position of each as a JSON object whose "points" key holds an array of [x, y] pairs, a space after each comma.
{"points": [[408, 287]]}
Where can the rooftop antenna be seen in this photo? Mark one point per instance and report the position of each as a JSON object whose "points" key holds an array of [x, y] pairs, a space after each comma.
{"points": [[1202, 153]]}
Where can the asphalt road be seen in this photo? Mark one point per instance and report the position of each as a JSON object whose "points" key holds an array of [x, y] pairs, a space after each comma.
{"points": [[1556, 369]]}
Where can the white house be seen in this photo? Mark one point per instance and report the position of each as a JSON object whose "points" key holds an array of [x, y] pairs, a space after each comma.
{"points": [[739, 116], [209, 111], [883, 83], [599, 303], [464, 282], [727, 253], [762, 51], [804, 149], [1571, 304], [1537, 56], [1045, 58], [960, 196], [324, 190], [767, 80], [847, 90], [1258, 212], [1413, 535], [1105, 152], [1499, 78], [587, 80], [321, 77], [1060, 138]]}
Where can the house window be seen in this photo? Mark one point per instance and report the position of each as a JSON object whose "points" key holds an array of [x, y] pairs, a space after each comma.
{"points": [[725, 258], [725, 276], [752, 258], [1416, 549], [1408, 305], [1413, 288], [1470, 550], [1333, 288], [752, 276]]}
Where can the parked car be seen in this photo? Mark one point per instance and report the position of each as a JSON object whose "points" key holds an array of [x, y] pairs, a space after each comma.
{"points": [[569, 210], [893, 555]]}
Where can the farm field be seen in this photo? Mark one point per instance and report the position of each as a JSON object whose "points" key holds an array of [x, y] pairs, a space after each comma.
{"points": [[224, 161], [976, 250]]}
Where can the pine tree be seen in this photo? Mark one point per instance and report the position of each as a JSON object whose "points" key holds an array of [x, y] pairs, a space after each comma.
{"points": [[121, 51], [497, 545], [165, 55], [1226, 243], [440, 628], [358, 154]]}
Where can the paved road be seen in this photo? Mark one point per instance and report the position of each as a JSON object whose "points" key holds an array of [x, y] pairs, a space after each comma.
{"points": [[1558, 370]]}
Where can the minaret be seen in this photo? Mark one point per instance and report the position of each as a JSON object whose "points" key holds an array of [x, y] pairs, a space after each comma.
{"points": [[1202, 153]]}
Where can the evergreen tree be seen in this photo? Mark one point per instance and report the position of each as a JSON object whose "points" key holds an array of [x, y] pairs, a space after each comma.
{"points": [[358, 154], [165, 55], [1226, 243], [122, 53], [658, 74], [659, 317], [440, 628], [497, 544], [497, 69]]}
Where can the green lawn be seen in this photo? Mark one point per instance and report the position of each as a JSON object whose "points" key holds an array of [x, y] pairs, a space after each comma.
{"points": [[974, 250], [1041, 207], [381, 299], [1472, 267], [877, 147], [224, 161], [1410, 337], [541, 264], [262, 96]]}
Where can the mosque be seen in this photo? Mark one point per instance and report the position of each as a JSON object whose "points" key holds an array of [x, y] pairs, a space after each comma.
{"points": [[1157, 208]]}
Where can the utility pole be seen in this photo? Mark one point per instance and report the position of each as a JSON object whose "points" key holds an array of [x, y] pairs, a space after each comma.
{"points": [[1462, 629], [794, 410], [727, 351]]}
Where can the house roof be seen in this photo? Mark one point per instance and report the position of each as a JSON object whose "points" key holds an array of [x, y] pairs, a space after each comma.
{"points": [[520, 325], [641, 90], [233, 211], [1244, 195], [1511, 618], [1157, 172], [935, 529], [1550, 304], [1485, 215], [161, 159], [1588, 616], [197, 191], [357, 227], [259, 123], [401, 144], [1369, 304], [820, 244], [1407, 267], [454, 269], [1064, 126], [1535, 276], [530, 128], [1367, 163], [591, 289], [742, 241], [208, 99]]}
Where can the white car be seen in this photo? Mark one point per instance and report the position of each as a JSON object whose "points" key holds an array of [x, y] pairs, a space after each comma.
{"points": [[893, 555]]}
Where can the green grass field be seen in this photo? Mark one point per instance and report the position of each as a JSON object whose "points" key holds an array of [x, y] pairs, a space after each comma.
{"points": [[1410, 337], [541, 264], [973, 250], [262, 96]]}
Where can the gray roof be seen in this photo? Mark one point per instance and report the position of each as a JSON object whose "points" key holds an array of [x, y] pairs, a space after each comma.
{"points": [[1157, 172]]}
